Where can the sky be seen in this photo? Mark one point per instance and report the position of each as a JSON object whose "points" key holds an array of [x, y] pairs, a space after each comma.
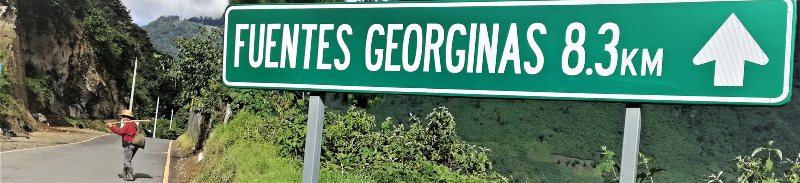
{"points": [[145, 11]]}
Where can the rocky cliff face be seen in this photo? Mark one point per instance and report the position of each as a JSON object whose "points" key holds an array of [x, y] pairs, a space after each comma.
{"points": [[79, 86], [14, 66]]}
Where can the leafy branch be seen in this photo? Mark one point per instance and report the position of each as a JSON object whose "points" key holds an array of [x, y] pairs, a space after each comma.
{"points": [[610, 166], [760, 169]]}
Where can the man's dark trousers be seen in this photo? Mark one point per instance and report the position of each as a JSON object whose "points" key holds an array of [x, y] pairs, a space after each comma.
{"points": [[130, 150]]}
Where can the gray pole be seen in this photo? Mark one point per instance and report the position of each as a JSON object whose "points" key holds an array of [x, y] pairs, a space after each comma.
{"points": [[170, 118], [133, 86], [630, 142], [155, 121], [316, 111]]}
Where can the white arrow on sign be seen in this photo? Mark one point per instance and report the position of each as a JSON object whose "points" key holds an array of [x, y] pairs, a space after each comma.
{"points": [[730, 46]]}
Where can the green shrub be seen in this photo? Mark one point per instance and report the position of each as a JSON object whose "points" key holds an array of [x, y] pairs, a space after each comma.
{"points": [[351, 146], [609, 168], [8, 106], [39, 87], [77, 123], [760, 169], [240, 152], [163, 131], [184, 142], [418, 154], [362, 100]]}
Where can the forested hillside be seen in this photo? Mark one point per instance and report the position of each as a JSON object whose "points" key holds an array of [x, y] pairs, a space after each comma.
{"points": [[210, 21], [163, 31]]}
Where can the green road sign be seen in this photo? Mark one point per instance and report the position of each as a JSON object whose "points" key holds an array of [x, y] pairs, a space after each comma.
{"points": [[666, 51]]}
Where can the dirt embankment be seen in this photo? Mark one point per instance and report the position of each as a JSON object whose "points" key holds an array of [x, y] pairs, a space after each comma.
{"points": [[48, 137], [185, 163]]}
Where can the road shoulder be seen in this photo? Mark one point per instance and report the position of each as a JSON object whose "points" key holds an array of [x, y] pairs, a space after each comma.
{"points": [[184, 166], [49, 137]]}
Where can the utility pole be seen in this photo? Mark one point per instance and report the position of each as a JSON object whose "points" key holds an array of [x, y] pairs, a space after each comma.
{"points": [[155, 121], [133, 86], [170, 118]]}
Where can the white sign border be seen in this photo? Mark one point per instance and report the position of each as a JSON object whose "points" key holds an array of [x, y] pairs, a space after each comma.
{"points": [[784, 94]]}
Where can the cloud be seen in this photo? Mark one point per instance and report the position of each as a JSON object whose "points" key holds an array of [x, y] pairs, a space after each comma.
{"points": [[145, 11]]}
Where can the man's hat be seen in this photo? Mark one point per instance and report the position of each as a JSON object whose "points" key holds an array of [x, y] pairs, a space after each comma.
{"points": [[126, 113]]}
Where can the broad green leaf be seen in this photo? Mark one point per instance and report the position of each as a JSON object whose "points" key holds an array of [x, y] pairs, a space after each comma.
{"points": [[756, 151], [768, 165], [604, 167], [609, 154], [601, 168]]}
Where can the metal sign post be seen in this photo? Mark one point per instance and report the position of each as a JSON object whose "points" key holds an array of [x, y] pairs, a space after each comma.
{"points": [[630, 142], [316, 113]]}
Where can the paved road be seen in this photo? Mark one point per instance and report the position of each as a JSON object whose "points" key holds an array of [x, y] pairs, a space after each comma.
{"points": [[97, 160]]}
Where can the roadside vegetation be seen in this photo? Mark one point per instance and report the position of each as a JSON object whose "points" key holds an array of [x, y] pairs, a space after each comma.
{"points": [[428, 150], [184, 142], [233, 158], [8, 106], [762, 168]]}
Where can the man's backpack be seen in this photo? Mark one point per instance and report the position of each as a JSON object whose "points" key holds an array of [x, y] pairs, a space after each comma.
{"points": [[138, 139]]}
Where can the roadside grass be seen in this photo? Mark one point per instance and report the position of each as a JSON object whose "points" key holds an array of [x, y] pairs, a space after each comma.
{"points": [[333, 176], [233, 155], [260, 162], [75, 122], [184, 143], [98, 125]]}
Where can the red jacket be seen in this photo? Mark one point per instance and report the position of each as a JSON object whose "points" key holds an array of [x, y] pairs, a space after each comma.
{"points": [[128, 131]]}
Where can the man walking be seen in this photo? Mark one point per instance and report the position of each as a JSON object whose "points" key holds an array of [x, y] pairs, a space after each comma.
{"points": [[128, 132]]}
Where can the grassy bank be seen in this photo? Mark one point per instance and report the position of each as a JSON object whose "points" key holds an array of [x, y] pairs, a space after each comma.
{"points": [[234, 157], [269, 145]]}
